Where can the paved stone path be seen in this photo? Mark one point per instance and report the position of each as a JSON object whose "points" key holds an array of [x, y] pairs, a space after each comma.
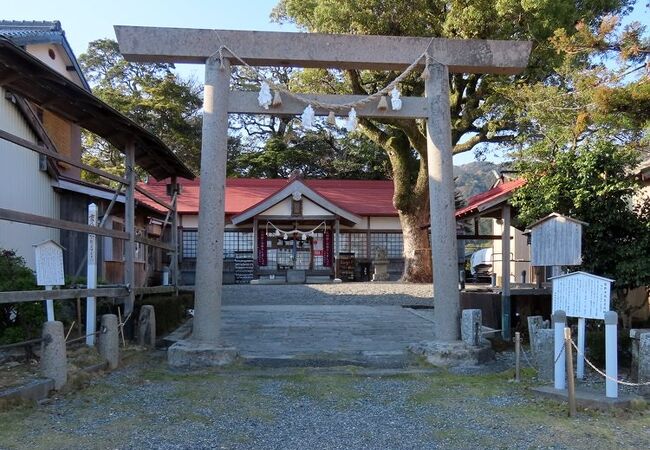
{"points": [[336, 331]]}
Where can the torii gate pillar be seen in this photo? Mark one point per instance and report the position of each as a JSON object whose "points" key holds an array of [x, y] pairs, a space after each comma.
{"points": [[204, 346], [442, 208]]}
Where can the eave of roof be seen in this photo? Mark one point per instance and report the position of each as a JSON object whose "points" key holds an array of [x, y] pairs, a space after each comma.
{"points": [[286, 191], [489, 199], [23, 74], [42, 32]]}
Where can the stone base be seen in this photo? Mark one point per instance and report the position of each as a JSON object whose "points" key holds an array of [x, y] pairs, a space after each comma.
{"points": [[590, 399], [452, 354], [194, 354]]}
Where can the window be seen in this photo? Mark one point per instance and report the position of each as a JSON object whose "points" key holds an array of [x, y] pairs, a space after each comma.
{"points": [[391, 242], [189, 243], [356, 243], [234, 241]]}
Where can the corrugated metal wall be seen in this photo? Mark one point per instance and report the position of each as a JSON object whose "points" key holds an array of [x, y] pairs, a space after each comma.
{"points": [[23, 187]]}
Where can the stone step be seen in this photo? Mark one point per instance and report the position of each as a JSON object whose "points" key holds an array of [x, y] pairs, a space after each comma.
{"points": [[178, 334], [375, 360]]}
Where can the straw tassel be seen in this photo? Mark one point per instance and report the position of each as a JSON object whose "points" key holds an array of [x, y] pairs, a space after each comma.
{"points": [[277, 99], [383, 103], [425, 73], [331, 118]]}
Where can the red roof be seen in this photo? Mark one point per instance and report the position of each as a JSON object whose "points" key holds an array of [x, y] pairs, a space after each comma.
{"points": [[361, 197], [494, 195]]}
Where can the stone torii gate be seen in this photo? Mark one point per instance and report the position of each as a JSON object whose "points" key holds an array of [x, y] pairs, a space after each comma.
{"points": [[310, 50]]}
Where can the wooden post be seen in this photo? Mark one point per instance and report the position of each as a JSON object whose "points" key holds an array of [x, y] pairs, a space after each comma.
{"points": [[571, 387], [337, 246], [517, 353], [505, 274], [91, 278], [255, 246], [444, 254], [174, 234], [129, 227]]}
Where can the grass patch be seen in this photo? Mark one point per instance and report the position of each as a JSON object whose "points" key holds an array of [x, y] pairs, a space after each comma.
{"points": [[341, 390], [444, 386]]}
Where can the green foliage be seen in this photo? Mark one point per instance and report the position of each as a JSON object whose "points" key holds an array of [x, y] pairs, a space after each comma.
{"points": [[315, 155], [18, 321], [481, 114], [151, 95], [581, 141]]}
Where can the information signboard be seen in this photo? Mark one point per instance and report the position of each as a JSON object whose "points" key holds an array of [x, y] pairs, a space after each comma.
{"points": [[49, 264], [581, 294]]}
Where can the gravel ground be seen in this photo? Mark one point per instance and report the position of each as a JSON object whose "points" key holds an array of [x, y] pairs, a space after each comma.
{"points": [[145, 405], [329, 294]]}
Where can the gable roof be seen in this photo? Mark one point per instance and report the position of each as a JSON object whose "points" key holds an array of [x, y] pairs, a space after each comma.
{"points": [[556, 215], [580, 272], [25, 75], [294, 186], [358, 197], [31, 32], [490, 198]]}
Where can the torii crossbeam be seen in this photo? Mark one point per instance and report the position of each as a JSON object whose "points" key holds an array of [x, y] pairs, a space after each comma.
{"points": [[256, 48]]}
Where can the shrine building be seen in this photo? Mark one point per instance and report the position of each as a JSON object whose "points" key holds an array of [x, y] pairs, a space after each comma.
{"points": [[294, 227]]}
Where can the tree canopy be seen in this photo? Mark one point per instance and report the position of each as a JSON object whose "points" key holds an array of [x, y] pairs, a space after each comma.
{"points": [[480, 112], [152, 95]]}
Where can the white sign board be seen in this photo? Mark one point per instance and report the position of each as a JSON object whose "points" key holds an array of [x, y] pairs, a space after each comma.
{"points": [[49, 264], [582, 294]]}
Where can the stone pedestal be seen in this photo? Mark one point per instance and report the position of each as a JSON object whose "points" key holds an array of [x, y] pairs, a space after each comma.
{"points": [[542, 349], [453, 353], [644, 363], [381, 270], [54, 363], [109, 341], [635, 340], [147, 326], [296, 276], [195, 354], [470, 326]]}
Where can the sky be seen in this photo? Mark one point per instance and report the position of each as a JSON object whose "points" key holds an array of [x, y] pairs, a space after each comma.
{"points": [[85, 21]]}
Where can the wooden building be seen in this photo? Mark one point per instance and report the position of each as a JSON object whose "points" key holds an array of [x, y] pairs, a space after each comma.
{"points": [[296, 225], [44, 104]]}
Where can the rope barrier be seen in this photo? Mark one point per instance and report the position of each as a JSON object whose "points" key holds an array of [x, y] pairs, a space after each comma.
{"points": [[527, 360], [624, 383], [331, 106]]}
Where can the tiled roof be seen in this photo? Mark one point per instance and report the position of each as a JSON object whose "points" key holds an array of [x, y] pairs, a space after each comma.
{"points": [[485, 199], [361, 197], [29, 32]]}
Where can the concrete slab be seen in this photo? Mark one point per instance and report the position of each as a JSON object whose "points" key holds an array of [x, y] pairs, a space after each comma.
{"points": [[588, 399], [289, 335]]}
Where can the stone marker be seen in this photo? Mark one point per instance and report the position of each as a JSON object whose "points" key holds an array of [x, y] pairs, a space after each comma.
{"points": [[381, 266], [635, 338], [543, 351], [109, 343], [470, 326], [54, 363], [147, 326], [535, 323], [644, 362]]}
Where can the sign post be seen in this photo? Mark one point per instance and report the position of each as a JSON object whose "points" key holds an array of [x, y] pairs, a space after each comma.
{"points": [[586, 296], [91, 277], [49, 270]]}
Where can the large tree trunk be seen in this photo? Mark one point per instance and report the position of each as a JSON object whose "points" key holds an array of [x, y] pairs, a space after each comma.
{"points": [[417, 248], [411, 196]]}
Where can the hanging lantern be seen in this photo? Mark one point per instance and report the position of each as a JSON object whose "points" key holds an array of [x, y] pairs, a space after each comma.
{"points": [[351, 123], [277, 100], [307, 117], [425, 73], [383, 103], [264, 98], [395, 100], [331, 118]]}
